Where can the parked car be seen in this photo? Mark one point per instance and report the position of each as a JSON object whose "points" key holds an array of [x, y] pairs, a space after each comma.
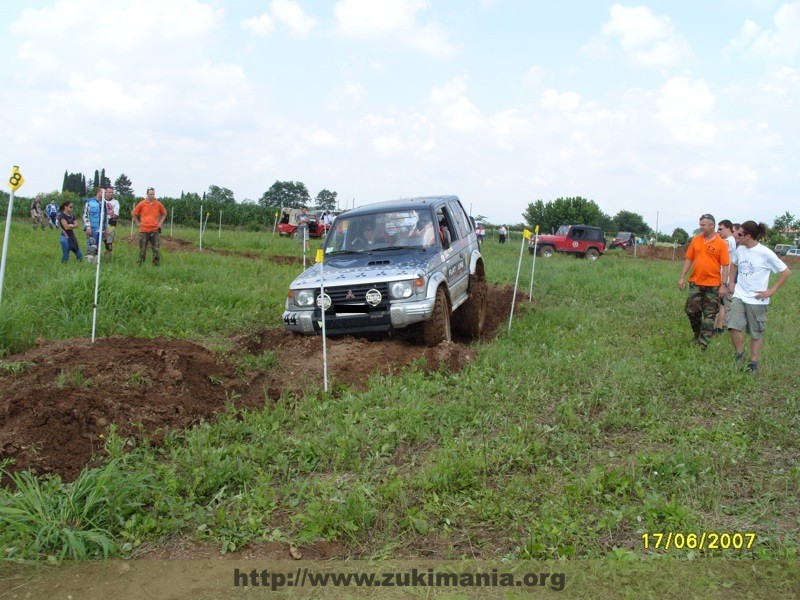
{"points": [[579, 240], [793, 252], [287, 226], [393, 265], [782, 249], [624, 239]]}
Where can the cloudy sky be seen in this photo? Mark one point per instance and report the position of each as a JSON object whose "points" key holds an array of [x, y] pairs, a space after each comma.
{"points": [[665, 108]]}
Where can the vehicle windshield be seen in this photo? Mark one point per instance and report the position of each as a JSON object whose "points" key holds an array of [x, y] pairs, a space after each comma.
{"points": [[395, 229], [563, 230]]}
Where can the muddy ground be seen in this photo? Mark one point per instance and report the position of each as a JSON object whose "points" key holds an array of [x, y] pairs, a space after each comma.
{"points": [[58, 399]]}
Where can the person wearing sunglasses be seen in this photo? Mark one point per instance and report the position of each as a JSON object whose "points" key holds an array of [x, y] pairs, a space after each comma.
{"points": [[751, 267]]}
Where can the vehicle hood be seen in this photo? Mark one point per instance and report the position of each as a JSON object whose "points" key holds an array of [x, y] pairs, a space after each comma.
{"points": [[371, 267], [548, 238]]}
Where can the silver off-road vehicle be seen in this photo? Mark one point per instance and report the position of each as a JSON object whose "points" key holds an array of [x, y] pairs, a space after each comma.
{"points": [[391, 265]]}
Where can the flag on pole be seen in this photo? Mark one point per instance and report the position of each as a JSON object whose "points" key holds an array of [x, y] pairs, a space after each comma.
{"points": [[16, 180], [320, 260], [526, 234]]}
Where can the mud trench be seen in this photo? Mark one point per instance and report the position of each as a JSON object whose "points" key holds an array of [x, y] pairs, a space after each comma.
{"points": [[59, 399]]}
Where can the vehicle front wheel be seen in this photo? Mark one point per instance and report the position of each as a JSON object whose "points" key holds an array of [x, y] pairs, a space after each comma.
{"points": [[437, 329], [546, 251], [592, 254]]}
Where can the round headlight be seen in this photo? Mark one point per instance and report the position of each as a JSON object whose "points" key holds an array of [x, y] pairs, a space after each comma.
{"points": [[401, 289], [304, 298]]}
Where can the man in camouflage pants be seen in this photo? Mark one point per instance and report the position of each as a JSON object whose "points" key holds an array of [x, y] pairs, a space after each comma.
{"points": [[708, 252]]}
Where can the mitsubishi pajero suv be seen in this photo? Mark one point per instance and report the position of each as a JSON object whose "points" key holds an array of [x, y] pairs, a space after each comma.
{"points": [[394, 265]]}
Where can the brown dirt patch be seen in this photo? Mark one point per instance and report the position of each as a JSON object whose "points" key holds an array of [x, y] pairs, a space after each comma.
{"points": [[59, 399]]}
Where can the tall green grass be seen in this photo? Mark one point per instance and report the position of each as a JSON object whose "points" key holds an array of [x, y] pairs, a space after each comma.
{"points": [[591, 422]]}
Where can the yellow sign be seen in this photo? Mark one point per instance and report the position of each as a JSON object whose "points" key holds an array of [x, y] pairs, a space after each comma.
{"points": [[536, 230], [320, 255], [16, 180], [526, 234]]}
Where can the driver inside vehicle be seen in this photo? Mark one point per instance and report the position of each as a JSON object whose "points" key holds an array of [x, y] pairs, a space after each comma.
{"points": [[368, 238], [424, 229]]}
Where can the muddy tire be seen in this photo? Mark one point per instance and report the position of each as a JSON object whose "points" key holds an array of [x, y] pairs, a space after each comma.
{"points": [[471, 315], [437, 329], [592, 254], [546, 251]]}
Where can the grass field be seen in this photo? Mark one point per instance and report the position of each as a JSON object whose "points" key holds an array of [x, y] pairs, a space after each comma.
{"points": [[589, 424]]}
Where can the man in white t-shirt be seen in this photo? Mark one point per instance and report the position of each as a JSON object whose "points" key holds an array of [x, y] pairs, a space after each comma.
{"points": [[753, 263]]}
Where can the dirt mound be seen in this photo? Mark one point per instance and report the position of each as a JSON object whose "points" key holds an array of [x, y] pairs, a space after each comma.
{"points": [[59, 399]]}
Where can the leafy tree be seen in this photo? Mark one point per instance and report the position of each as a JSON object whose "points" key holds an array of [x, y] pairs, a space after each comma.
{"points": [[96, 180], [221, 195], [626, 220], [681, 236], [288, 194], [786, 221], [104, 181], [326, 200], [123, 186], [563, 211]]}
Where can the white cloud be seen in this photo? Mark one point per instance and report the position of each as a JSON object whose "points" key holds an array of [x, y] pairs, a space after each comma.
{"points": [[458, 112], [262, 25], [648, 39], [370, 19], [566, 102], [534, 77], [288, 13], [388, 145], [394, 20], [777, 45], [682, 107], [322, 138], [292, 16]]}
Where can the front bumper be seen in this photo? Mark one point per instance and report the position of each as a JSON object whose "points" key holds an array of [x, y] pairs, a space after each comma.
{"points": [[364, 319]]}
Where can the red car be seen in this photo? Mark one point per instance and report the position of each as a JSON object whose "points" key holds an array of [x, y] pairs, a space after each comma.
{"points": [[287, 226]]}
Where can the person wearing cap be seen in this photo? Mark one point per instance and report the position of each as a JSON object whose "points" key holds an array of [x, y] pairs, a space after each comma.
{"points": [[753, 263], [709, 260], [149, 216]]}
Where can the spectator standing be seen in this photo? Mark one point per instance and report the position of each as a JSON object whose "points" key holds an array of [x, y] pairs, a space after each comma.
{"points": [[303, 219], [709, 260], [502, 233], [112, 210], [752, 264], [149, 216], [93, 212], [725, 230], [69, 243], [37, 212], [51, 210]]}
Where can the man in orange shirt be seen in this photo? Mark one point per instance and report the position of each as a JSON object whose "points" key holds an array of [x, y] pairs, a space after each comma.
{"points": [[149, 216], [709, 254]]}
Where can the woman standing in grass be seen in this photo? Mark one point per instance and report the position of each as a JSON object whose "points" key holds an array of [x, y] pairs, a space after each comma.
{"points": [[67, 238]]}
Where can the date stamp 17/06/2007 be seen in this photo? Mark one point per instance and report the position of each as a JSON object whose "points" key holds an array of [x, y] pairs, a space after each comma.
{"points": [[704, 540]]}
